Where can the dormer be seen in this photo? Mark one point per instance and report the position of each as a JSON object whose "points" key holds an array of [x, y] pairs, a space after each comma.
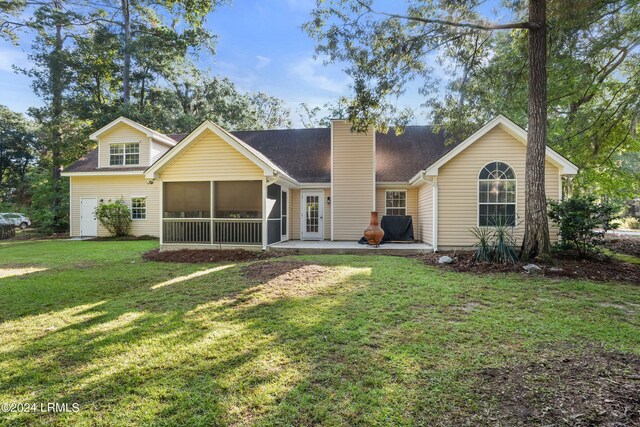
{"points": [[124, 143]]}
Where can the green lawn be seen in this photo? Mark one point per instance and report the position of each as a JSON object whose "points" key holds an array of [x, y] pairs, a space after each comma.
{"points": [[367, 340]]}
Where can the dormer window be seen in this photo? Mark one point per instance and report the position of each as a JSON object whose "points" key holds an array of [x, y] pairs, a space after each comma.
{"points": [[124, 154]]}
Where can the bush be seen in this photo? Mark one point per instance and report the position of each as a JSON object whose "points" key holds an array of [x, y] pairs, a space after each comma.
{"points": [[583, 222], [630, 223], [7, 231], [495, 244], [115, 217]]}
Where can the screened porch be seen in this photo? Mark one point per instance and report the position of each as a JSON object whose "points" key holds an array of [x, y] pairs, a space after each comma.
{"points": [[223, 213]]}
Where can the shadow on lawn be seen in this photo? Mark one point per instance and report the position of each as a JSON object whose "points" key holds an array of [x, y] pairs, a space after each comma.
{"points": [[353, 345]]}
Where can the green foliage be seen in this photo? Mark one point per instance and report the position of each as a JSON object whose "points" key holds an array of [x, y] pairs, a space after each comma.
{"points": [[115, 217], [593, 88], [7, 231], [18, 146], [43, 190], [630, 223], [495, 244], [583, 221], [483, 245], [504, 244]]}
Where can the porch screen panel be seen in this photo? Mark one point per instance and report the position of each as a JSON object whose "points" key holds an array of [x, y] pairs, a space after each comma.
{"points": [[274, 192], [238, 199], [187, 199], [273, 201]]}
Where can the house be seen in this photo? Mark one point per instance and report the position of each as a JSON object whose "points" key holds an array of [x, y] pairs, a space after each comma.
{"points": [[214, 188]]}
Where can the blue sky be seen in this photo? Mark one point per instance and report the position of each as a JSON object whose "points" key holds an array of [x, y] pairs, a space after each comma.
{"points": [[261, 47]]}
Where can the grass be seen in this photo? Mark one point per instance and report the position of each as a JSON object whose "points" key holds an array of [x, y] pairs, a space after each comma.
{"points": [[621, 257], [369, 341]]}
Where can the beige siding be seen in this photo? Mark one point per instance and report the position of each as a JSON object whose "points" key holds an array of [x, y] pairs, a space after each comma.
{"points": [[412, 204], [458, 188], [353, 158], [123, 133], [210, 158], [425, 213], [157, 150], [294, 221], [295, 218], [113, 188]]}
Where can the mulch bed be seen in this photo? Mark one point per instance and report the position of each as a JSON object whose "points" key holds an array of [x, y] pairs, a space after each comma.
{"points": [[594, 388], [597, 269], [629, 245], [195, 256]]}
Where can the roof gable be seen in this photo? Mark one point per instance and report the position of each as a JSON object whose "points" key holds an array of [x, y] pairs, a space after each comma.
{"points": [[519, 134], [268, 167], [160, 137]]}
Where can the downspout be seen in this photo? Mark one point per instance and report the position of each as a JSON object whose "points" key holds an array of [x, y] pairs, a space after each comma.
{"points": [[434, 184]]}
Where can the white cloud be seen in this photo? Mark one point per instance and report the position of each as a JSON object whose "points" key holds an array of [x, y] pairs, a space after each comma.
{"points": [[307, 70], [11, 57], [263, 61]]}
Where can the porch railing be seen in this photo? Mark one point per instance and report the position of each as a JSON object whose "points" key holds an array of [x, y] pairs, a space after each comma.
{"points": [[225, 230]]}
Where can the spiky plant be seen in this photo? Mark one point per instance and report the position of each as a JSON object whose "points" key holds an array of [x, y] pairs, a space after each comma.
{"points": [[503, 245], [483, 244]]}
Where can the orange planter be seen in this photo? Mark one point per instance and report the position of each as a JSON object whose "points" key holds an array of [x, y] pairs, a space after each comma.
{"points": [[374, 233]]}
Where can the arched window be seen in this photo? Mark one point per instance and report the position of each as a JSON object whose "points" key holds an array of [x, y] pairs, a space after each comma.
{"points": [[497, 195]]}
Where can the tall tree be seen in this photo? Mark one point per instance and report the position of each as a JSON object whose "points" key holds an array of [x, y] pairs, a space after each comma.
{"points": [[17, 153], [593, 88], [167, 29], [386, 50]]}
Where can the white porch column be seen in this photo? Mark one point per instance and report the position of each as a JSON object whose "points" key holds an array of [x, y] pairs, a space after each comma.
{"points": [[264, 214], [161, 203]]}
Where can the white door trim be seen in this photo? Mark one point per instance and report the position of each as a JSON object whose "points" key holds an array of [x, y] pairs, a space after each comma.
{"points": [[304, 235], [92, 229], [285, 212]]}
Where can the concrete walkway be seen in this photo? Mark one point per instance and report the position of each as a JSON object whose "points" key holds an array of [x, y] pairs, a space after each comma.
{"points": [[328, 247]]}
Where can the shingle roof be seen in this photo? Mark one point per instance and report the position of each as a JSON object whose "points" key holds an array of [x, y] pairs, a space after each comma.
{"points": [[89, 163], [305, 154]]}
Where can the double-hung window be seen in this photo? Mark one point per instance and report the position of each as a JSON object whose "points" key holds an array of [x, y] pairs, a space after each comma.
{"points": [[396, 202], [124, 154], [138, 208]]}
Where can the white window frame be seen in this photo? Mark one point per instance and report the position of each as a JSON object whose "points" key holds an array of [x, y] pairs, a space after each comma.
{"points": [[123, 155], [145, 208], [406, 201], [515, 203]]}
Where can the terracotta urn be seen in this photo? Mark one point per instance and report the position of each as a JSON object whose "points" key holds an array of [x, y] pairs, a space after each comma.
{"points": [[374, 233]]}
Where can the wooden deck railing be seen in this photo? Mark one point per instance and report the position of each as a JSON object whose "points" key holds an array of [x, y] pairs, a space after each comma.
{"points": [[225, 231]]}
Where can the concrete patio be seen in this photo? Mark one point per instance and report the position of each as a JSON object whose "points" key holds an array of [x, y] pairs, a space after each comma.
{"points": [[345, 247]]}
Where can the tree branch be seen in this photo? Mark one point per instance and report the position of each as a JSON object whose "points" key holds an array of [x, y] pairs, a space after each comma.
{"points": [[472, 25]]}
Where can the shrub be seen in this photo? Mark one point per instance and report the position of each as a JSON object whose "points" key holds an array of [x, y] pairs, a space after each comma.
{"points": [[583, 222], [630, 223], [115, 217], [7, 231], [495, 244]]}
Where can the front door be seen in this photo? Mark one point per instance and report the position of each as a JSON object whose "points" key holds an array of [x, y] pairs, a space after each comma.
{"points": [[88, 220], [312, 210]]}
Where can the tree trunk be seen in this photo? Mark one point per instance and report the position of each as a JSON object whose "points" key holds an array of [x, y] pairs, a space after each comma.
{"points": [[56, 118], [126, 69], [536, 233]]}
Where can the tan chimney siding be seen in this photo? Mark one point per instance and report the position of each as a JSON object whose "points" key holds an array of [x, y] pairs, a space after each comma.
{"points": [[353, 180]]}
